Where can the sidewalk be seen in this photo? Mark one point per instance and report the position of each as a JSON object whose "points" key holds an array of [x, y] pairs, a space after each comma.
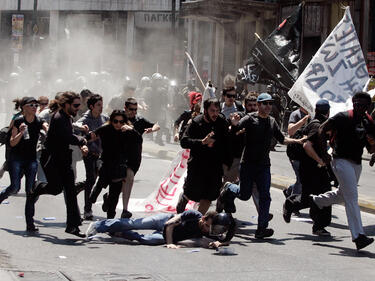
{"points": [[169, 151]]}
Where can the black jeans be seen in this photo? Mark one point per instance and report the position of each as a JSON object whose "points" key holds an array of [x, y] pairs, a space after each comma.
{"points": [[113, 196], [314, 181], [91, 167], [60, 177]]}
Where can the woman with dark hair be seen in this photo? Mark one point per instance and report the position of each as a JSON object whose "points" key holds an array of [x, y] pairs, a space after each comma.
{"points": [[22, 155], [121, 149]]}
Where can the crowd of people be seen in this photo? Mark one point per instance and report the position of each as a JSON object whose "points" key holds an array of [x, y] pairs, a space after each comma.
{"points": [[229, 140]]}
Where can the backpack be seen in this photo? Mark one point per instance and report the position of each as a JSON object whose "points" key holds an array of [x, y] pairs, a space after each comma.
{"points": [[5, 135], [295, 151]]}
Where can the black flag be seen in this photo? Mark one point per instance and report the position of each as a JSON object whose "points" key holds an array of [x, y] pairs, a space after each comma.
{"points": [[277, 57]]}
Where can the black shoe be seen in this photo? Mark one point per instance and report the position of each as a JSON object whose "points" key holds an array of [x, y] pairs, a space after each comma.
{"points": [[362, 241], [270, 217], [261, 233], [32, 229], [287, 210], [321, 232], [126, 214], [105, 202], [80, 186], [75, 231], [181, 204]]}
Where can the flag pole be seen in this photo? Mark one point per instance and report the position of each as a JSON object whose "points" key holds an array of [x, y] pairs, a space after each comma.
{"points": [[195, 69]]}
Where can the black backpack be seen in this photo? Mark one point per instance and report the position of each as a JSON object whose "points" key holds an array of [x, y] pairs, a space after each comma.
{"points": [[295, 151]]}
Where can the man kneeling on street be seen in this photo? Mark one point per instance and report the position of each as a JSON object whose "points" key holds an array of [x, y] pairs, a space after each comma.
{"points": [[171, 228]]}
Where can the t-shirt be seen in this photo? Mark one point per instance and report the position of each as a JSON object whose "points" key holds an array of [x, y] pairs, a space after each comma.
{"points": [[259, 132], [26, 149], [188, 228], [311, 131], [295, 116], [350, 136], [140, 124]]}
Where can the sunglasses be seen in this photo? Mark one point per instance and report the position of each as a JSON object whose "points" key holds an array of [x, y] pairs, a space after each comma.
{"points": [[267, 102], [116, 121], [32, 105], [230, 96], [76, 105], [133, 109]]}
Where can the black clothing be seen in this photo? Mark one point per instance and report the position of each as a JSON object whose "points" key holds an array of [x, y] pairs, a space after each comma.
{"points": [[56, 161], [113, 196], [204, 175], [26, 149], [140, 124], [120, 146], [349, 136], [60, 136], [314, 180], [184, 118], [188, 228], [259, 132]]}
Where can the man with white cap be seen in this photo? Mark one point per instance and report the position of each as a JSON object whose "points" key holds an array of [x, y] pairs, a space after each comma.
{"points": [[260, 128]]}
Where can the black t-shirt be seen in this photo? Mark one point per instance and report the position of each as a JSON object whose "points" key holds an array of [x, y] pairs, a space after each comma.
{"points": [[311, 131], [26, 149], [259, 132], [140, 124], [350, 136], [118, 145], [188, 228]]}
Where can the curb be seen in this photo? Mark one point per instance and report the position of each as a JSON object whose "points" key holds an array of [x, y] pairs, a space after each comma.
{"points": [[277, 181], [281, 182]]}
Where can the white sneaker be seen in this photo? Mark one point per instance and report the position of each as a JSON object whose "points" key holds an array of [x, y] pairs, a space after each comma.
{"points": [[91, 230]]}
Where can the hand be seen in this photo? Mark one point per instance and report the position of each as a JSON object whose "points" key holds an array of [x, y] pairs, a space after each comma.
{"points": [[306, 118], [84, 150], [93, 136], [172, 246], [176, 138], [85, 129], [321, 163], [126, 127], [208, 140], [241, 132], [235, 119], [370, 140], [22, 127], [214, 245], [326, 158], [148, 130], [301, 140]]}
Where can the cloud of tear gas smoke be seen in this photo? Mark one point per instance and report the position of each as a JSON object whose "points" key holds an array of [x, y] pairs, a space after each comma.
{"points": [[89, 53]]}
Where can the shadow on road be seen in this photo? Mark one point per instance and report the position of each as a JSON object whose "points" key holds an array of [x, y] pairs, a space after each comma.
{"points": [[48, 238], [348, 252]]}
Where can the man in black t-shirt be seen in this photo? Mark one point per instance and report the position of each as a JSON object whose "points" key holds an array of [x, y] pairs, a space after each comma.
{"points": [[22, 156], [349, 132], [314, 174], [259, 128], [170, 228]]}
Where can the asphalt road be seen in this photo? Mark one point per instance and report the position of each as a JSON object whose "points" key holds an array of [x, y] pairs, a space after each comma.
{"points": [[293, 253]]}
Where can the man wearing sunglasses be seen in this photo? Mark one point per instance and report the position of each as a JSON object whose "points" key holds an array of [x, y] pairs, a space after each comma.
{"points": [[259, 127], [56, 159], [349, 133], [230, 105]]}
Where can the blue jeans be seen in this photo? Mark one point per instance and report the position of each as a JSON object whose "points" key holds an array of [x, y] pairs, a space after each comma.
{"points": [[296, 188], [261, 175], [18, 168], [125, 226]]}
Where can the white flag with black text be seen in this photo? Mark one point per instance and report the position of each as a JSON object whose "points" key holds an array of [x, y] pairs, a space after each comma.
{"points": [[336, 72]]}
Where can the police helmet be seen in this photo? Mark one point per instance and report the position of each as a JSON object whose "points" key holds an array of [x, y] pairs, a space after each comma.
{"points": [[221, 223]]}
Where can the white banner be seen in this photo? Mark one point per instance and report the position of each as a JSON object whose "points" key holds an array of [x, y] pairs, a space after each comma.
{"points": [[165, 196], [336, 72]]}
